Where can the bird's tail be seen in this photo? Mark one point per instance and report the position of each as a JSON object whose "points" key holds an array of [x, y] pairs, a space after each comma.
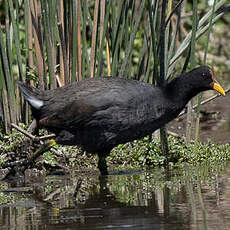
{"points": [[32, 95]]}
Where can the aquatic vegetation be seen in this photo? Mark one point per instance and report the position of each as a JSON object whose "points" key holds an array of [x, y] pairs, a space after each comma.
{"points": [[144, 154], [148, 153]]}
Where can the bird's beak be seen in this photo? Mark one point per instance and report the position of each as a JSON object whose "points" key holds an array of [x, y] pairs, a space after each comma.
{"points": [[217, 87]]}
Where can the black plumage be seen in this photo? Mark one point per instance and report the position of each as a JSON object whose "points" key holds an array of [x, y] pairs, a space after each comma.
{"points": [[100, 113]]}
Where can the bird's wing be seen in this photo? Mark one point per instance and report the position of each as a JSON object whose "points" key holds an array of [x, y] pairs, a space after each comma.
{"points": [[66, 116], [117, 106], [76, 110]]}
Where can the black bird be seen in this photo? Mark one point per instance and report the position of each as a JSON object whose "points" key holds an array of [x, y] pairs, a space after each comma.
{"points": [[100, 113]]}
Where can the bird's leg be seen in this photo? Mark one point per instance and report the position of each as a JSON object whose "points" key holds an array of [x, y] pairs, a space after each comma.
{"points": [[102, 166]]}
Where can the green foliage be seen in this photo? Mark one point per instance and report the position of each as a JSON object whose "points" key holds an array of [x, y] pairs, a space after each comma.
{"points": [[50, 158], [144, 153], [8, 142]]}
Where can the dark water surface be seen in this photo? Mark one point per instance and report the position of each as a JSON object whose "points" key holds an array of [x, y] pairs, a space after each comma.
{"points": [[189, 198]]}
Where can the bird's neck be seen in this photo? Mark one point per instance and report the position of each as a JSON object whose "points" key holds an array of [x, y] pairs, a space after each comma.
{"points": [[181, 90]]}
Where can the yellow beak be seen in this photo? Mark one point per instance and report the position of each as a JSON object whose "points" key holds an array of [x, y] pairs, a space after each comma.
{"points": [[217, 87]]}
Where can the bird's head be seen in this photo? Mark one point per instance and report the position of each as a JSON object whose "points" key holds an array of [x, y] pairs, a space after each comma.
{"points": [[204, 78]]}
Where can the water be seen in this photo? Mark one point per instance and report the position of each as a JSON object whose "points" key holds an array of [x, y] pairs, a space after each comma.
{"points": [[189, 198]]}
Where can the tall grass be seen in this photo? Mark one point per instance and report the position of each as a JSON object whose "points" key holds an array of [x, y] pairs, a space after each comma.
{"points": [[192, 59], [51, 43], [204, 62]]}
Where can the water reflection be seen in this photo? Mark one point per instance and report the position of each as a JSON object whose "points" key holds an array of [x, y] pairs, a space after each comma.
{"points": [[189, 198]]}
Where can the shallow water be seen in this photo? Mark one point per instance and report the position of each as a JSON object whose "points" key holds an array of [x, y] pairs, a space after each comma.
{"points": [[189, 198]]}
